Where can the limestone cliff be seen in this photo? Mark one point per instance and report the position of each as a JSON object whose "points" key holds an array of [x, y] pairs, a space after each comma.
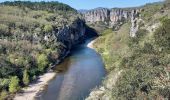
{"points": [[66, 37], [134, 22], [111, 16], [114, 17], [98, 14]]}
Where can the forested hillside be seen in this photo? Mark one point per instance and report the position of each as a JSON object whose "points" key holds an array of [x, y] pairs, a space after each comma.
{"points": [[28, 41], [138, 67]]}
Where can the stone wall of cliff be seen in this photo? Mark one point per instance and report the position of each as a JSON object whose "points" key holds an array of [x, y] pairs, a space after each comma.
{"points": [[114, 17], [66, 37], [111, 16]]}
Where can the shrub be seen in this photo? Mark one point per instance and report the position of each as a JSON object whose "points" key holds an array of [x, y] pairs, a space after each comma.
{"points": [[14, 84], [3, 29], [42, 62], [18, 60], [26, 78], [3, 95], [162, 35], [48, 28], [4, 83]]}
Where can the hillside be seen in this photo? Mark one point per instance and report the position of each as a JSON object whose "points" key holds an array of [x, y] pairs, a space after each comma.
{"points": [[33, 37], [138, 66]]}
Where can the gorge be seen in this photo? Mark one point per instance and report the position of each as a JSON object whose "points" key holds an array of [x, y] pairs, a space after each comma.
{"points": [[45, 52]]}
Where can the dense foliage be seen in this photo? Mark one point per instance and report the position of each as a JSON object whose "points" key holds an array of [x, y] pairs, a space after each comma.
{"points": [[14, 84], [28, 45], [150, 9], [48, 6], [144, 59]]}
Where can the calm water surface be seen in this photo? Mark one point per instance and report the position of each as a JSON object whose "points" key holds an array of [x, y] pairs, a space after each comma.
{"points": [[79, 73]]}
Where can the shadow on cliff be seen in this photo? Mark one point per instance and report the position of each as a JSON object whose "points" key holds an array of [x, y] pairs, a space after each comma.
{"points": [[90, 32]]}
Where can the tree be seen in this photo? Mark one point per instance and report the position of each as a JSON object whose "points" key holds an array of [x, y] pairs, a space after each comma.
{"points": [[42, 62], [14, 84], [26, 77], [48, 28]]}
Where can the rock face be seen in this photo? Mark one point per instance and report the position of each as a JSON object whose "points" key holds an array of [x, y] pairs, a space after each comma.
{"points": [[66, 37], [118, 16], [98, 14], [70, 35], [113, 17], [134, 22]]}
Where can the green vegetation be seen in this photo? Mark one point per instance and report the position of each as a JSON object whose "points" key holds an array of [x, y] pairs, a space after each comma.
{"points": [[26, 78], [28, 45], [42, 62], [14, 84], [3, 95], [162, 36], [48, 28], [144, 59], [146, 68], [150, 9], [48, 6], [112, 46]]}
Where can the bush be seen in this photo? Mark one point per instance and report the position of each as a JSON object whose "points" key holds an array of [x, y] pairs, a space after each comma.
{"points": [[42, 62], [4, 83], [48, 28], [3, 95], [14, 84], [3, 29], [162, 35], [18, 60], [26, 78]]}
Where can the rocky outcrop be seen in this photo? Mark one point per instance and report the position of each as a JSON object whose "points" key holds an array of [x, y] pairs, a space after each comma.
{"points": [[70, 35], [98, 14], [134, 22], [118, 16], [63, 39], [114, 18], [110, 16]]}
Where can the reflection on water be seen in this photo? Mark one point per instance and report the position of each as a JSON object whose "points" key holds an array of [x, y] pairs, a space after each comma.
{"points": [[79, 73]]}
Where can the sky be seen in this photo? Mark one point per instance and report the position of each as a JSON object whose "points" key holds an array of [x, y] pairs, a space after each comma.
{"points": [[91, 4]]}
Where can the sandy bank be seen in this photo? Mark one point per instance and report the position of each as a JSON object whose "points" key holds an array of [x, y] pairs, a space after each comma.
{"points": [[90, 44], [30, 92]]}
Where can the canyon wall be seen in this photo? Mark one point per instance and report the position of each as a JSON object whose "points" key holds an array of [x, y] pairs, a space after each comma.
{"points": [[114, 17], [66, 37]]}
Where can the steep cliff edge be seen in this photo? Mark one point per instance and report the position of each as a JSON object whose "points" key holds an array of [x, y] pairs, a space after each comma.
{"points": [[68, 36], [113, 18]]}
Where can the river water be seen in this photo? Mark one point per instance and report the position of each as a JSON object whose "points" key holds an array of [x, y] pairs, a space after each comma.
{"points": [[76, 76]]}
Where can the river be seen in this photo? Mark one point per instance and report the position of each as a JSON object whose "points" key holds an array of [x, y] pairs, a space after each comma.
{"points": [[76, 76]]}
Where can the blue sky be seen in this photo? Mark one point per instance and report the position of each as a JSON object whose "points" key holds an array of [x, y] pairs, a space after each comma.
{"points": [[90, 4]]}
